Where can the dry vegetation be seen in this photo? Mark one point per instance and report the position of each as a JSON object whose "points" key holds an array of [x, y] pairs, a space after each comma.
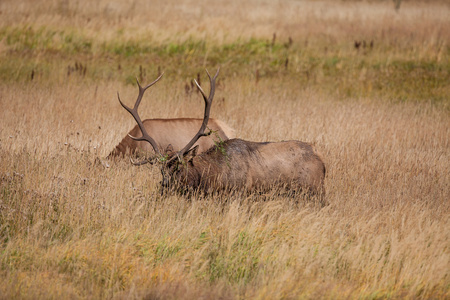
{"points": [[70, 228]]}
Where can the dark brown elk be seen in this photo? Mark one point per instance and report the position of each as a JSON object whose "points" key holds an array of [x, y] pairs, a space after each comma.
{"points": [[175, 132], [237, 164]]}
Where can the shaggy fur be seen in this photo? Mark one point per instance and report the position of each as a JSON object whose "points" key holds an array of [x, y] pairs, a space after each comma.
{"points": [[244, 165]]}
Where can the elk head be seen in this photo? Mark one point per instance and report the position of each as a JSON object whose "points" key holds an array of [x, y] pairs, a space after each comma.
{"points": [[171, 161]]}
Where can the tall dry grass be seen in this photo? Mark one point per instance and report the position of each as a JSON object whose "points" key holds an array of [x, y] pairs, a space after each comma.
{"points": [[71, 228]]}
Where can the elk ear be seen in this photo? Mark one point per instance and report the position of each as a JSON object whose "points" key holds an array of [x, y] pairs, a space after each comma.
{"points": [[169, 149], [191, 154]]}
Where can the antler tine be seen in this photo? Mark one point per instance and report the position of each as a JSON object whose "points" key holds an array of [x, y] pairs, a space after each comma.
{"points": [[208, 102], [145, 136], [200, 88], [143, 89], [139, 163]]}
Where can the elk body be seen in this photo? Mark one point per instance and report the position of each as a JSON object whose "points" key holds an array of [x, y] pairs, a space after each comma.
{"points": [[175, 132], [251, 166], [236, 164]]}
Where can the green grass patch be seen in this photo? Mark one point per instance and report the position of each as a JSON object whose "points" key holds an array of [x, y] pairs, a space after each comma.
{"points": [[336, 70]]}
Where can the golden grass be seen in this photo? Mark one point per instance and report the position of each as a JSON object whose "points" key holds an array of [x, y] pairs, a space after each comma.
{"points": [[70, 228]]}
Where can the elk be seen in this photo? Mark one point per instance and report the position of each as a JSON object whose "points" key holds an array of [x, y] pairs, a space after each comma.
{"points": [[175, 132], [236, 164]]}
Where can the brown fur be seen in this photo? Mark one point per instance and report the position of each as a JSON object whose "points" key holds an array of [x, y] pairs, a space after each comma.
{"points": [[176, 132], [251, 166]]}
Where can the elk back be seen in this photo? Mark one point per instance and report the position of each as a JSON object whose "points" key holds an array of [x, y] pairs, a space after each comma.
{"points": [[175, 132]]}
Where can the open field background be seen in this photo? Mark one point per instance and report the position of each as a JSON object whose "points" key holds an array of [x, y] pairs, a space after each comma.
{"points": [[379, 115]]}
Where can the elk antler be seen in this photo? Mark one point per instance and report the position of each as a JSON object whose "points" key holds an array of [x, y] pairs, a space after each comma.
{"points": [[208, 101], [145, 136]]}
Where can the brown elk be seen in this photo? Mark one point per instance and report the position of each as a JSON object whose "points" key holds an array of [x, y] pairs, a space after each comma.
{"points": [[175, 132], [236, 164]]}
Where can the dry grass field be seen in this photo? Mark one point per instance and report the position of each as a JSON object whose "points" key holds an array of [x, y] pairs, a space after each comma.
{"points": [[378, 113]]}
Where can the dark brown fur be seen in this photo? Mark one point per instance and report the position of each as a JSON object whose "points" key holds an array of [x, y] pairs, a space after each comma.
{"points": [[242, 165]]}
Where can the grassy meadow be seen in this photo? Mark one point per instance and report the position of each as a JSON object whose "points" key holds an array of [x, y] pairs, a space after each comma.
{"points": [[365, 82]]}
